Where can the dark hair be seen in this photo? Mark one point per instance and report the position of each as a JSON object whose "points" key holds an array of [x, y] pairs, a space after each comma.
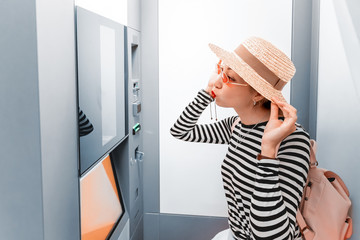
{"points": [[265, 103]]}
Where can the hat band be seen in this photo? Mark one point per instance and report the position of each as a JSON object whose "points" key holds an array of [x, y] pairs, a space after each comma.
{"points": [[259, 67]]}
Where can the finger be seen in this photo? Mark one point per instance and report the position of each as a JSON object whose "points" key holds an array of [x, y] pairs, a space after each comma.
{"points": [[289, 121], [288, 125], [274, 112], [280, 103], [289, 113], [281, 106], [290, 129], [287, 107]]}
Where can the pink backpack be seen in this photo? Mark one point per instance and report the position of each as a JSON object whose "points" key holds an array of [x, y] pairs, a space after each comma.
{"points": [[325, 204], [324, 208]]}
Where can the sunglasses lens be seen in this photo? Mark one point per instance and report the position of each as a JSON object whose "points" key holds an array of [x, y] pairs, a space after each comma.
{"points": [[224, 78]]}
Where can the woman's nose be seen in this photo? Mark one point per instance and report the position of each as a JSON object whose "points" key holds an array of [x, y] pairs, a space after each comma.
{"points": [[218, 82]]}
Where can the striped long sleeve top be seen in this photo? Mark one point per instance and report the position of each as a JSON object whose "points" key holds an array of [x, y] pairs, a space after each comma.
{"points": [[262, 196]]}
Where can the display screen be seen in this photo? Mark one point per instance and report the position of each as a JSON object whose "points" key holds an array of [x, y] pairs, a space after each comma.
{"points": [[101, 85]]}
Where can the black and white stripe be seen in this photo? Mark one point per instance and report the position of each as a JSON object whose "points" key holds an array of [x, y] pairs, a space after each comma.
{"points": [[262, 196], [85, 126]]}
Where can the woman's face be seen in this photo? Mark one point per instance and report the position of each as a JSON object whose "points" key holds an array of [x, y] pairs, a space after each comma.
{"points": [[230, 95]]}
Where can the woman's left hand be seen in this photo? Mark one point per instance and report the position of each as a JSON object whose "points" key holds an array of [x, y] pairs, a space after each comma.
{"points": [[276, 130]]}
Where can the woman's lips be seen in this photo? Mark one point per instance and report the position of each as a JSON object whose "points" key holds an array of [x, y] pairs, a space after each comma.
{"points": [[213, 94]]}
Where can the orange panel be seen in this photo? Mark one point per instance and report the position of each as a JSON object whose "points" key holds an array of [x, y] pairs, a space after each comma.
{"points": [[108, 168], [100, 205]]}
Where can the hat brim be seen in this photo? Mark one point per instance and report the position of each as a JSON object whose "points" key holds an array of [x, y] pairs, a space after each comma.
{"points": [[249, 75]]}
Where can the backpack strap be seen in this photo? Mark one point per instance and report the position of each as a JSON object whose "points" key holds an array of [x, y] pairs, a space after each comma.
{"points": [[235, 123], [313, 146], [350, 228], [307, 233]]}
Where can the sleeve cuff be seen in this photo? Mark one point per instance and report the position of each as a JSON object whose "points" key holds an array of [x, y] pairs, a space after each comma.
{"points": [[204, 94], [269, 166]]}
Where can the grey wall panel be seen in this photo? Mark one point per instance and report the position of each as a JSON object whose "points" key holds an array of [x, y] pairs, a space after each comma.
{"points": [[125, 234], [20, 158], [301, 56], [180, 227], [150, 83], [139, 230], [305, 52], [151, 226], [314, 62], [39, 159], [58, 118], [122, 230], [354, 10]]}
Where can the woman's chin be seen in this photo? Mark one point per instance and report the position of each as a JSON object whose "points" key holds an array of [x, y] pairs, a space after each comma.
{"points": [[219, 103]]}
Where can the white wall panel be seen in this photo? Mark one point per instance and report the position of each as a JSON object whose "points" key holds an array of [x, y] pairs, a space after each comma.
{"points": [[338, 116], [190, 179], [116, 10]]}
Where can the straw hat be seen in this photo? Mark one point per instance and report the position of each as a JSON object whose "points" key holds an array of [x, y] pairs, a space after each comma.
{"points": [[262, 65]]}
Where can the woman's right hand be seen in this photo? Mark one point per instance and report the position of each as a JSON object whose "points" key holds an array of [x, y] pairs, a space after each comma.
{"points": [[213, 77]]}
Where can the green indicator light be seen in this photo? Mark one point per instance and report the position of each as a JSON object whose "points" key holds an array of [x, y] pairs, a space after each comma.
{"points": [[136, 128]]}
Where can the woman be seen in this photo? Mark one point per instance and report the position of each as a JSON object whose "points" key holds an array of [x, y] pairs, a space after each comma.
{"points": [[267, 162]]}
